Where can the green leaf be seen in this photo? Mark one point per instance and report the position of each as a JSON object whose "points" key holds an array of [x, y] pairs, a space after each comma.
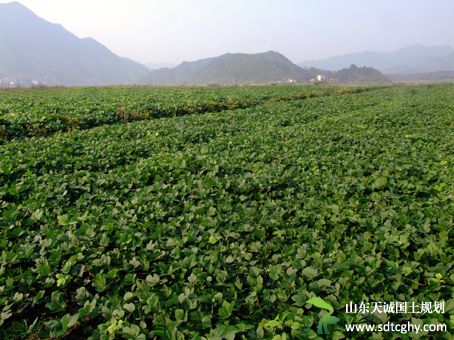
{"points": [[331, 320], [152, 279], [37, 215], [63, 220], [212, 240], [275, 271], [68, 321], [63, 280], [300, 300], [5, 314], [226, 310], [100, 282], [323, 283], [273, 324], [87, 309], [309, 273], [179, 314], [131, 331], [130, 307], [128, 296], [379, 183], [57, 302], [229, 332], [43, 267], [320, 303]]}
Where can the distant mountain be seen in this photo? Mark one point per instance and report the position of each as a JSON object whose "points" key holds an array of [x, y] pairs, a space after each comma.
{"points": [[445, 63], [260, 68], [233, 68], [32, 49], [430, 77], [412, 59], [157, 66]]}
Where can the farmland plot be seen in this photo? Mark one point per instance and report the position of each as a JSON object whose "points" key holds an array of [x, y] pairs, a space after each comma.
{"points": [[227, 223]]}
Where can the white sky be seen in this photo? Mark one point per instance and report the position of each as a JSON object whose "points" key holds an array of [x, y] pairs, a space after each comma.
{"points": [[177, 30]]}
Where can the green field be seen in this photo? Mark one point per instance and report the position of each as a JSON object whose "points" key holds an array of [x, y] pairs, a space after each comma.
{"points": [[25, 113], [217, 213]]}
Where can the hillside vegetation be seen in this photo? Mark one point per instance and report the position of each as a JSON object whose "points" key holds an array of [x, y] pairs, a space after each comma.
{"points": [[233, 68], [260, 68], [360, 75]]}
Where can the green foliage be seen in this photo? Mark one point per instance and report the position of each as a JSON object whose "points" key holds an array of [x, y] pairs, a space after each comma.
{"points": [[320, 303], [28, 113], [358, 75], [227, 224]]}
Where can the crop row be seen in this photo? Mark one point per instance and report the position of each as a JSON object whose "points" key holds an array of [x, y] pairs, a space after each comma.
{"points": [[27, 113], [228, 223]]}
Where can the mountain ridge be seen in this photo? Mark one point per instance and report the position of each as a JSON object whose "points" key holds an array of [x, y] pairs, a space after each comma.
{"points": [[257, 68], [36, 51], [231, 68], [33, 49], [411, 59]]}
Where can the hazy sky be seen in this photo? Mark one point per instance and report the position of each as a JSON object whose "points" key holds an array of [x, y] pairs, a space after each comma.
{"points": [[177, 30]]}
